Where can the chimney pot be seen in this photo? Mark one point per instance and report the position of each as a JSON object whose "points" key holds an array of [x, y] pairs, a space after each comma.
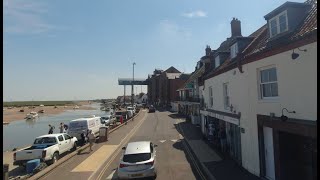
{"points": [[235, 27]]}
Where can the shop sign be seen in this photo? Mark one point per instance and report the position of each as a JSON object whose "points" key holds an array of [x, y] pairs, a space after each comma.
{"points": [[221, 117]]}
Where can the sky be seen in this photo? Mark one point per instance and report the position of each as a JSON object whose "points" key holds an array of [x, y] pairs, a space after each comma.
{"points": [[77, 49]]}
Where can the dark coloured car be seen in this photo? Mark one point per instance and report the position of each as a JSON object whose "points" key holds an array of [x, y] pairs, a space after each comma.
{"points": [[152, 109]]}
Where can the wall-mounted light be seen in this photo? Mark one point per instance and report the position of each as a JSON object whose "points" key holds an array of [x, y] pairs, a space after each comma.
{"points": [[285, 118], [296, 55]]}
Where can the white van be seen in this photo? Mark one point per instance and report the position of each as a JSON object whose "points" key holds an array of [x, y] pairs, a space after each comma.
{"points": [[78, 126]]}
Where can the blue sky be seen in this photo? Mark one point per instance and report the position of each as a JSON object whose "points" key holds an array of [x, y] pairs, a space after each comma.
{"points": [[77, 49]]}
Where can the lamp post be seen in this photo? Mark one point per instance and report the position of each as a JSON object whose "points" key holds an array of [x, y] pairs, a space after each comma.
{"points": [[132, 93]]}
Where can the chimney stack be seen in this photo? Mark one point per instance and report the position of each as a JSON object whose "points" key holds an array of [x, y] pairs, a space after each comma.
{"points": [[235, 27], [208, 50]]}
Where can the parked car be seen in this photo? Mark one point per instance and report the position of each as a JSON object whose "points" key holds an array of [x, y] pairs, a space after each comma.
{"points": [[133, 109], [81, 125], [107, 120], [138, 160], [47, 148], [152, 109]]}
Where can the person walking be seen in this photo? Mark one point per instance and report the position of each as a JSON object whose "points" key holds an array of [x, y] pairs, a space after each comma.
{"points": [[61, 128], [91, 139], [51, 128]]}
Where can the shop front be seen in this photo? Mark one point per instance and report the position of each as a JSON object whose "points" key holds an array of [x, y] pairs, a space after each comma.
{"points": [[222, 129]]}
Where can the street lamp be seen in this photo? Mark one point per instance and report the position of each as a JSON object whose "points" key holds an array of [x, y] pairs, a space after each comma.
{"points": [[132, 93]]}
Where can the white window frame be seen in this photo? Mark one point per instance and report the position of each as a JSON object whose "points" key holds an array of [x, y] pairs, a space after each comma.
{"points": [[217, 61], [210, 96], [260, 84], [234, 50], [278, 24], [226, 96]]}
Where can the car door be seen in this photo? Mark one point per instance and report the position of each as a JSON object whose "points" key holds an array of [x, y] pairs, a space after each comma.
{"points": [[68, 142], [61, 144]]}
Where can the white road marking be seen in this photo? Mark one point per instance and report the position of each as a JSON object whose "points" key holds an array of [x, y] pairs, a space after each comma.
{"points": [[180, 136], [113, 175], [162, 141]]}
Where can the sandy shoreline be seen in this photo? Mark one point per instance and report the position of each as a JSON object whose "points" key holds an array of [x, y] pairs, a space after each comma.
{"points": [[10, 115]]}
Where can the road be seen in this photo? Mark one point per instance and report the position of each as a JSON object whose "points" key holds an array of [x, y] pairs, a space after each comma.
{"points": [[172, 159]]}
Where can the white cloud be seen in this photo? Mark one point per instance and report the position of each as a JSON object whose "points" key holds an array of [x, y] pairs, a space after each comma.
{"points": [[25, 17], [194, 14]]}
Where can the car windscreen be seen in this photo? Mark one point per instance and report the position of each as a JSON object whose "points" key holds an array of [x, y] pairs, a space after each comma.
{"points": [[133, 158], [78, 125], [45, 140]]}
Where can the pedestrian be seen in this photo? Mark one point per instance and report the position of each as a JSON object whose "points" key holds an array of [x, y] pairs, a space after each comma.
{"points": [[91, 139], [51, 128], [83, 138], [61, 127], [65, 127]]}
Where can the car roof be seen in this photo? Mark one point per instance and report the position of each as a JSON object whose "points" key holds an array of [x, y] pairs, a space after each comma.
{"points": [[51, 135], [138, 147], [85, 119]]}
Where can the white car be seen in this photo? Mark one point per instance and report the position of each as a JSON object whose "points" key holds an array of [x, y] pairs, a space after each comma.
{"points": [[47, 148], [138, 160]]}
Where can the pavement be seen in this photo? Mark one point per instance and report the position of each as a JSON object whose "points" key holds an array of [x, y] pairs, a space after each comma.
{"points": [[212, 162]]}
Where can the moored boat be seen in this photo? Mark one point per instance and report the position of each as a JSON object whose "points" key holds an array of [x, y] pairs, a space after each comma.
{"points": [[32, 115]]}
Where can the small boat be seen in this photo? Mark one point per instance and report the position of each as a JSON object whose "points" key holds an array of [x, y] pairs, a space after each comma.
{"points": [[41, 111], [21, 110], [32, 115], [41, 105], [76, 107], [5, 123]]}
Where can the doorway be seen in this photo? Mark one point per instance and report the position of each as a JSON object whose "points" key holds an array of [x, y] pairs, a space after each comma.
{"points": [[269, 153]]}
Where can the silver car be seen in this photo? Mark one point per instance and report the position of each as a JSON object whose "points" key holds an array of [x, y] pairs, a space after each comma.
{"points": [[138, 160]]}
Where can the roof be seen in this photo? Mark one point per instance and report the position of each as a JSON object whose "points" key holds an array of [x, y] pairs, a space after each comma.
{"points": [[280, 8], [84, 119], [51, 135], [308, 25], [138, 147], [261, 36]]}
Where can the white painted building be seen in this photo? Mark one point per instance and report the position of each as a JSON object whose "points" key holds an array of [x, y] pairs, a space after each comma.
{"points": [[249, 94]]}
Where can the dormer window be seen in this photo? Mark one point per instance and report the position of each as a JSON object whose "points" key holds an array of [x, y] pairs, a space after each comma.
{"points": [[217, 61], [278, 24], [234, 50]]}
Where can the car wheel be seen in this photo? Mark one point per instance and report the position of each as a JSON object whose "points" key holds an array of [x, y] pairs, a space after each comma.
{"points": [[74, 147], [55, 158]]}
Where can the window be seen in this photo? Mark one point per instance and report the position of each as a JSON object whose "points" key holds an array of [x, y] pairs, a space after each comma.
{"points": [[211, 96], [66, 136], [133, 158], [217, 61], [268, 83], [234, 50], [60, 138], [278, 24], [226, 96]]}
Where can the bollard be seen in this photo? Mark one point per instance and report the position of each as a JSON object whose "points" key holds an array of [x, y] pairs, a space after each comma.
{"points": [[6, 171]]}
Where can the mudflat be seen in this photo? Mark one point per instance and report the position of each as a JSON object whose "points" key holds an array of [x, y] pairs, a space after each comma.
{"points": [[14, 114]]}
